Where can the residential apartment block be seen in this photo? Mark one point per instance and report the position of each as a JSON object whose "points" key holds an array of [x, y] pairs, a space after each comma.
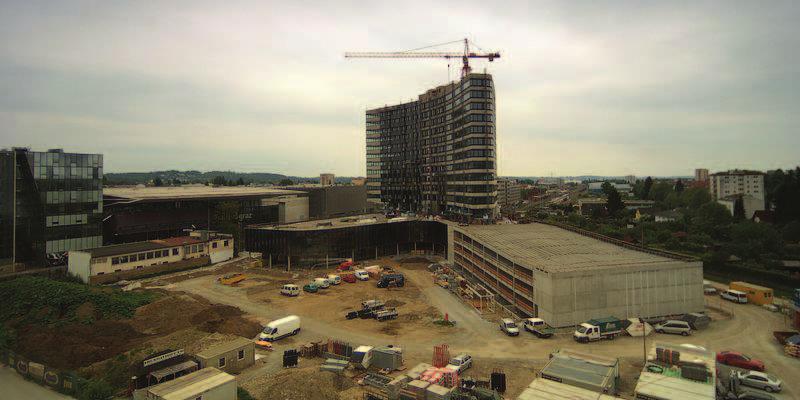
{"points": [[437, 154], [50, 203], [509, 192], [726, 187]]}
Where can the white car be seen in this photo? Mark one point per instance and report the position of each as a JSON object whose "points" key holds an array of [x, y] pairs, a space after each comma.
{"points": [[760, 380], [460, 363], [508, 326], [361, 275]]}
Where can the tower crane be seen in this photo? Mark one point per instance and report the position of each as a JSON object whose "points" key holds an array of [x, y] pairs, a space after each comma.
{"points": [[415, 53]]}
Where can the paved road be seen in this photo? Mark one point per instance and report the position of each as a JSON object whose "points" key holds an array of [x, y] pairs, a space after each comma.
{"points": [[13, 387], [749, 330]]}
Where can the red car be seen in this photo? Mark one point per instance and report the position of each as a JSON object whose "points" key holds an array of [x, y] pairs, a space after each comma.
{"points": [[349, 278], [736, 359], [345, 266]]}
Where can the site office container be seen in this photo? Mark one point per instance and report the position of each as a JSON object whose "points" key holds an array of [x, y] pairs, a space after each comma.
{"points": [[759, 295]]}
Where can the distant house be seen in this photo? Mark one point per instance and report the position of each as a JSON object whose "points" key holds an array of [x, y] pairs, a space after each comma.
{"points": [[668, 216], [751, 204], [597, 187]]}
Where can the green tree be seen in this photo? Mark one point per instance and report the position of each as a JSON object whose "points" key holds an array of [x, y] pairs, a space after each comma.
{"points": [[738, 208], [7, 338], [614, 202], [646, 187], [240, 182], [712, 219], [158, 182], [607, 186], [751, 240], [218, 180], [679, 186], [176, 182], [696, 197], [286, 182], [659, 191]]}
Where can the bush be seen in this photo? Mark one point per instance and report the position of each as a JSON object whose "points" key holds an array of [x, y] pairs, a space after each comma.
{"points": [[242, 394], [28, 295], [95, 389]]}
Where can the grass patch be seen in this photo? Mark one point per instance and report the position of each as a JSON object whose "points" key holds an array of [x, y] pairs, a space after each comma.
{"points": [[45, 300]]}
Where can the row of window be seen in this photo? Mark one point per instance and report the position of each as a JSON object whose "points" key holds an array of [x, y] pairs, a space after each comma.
{"points": [[145, 256]]}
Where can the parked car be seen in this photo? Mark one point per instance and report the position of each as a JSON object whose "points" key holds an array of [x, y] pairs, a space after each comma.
{"points": [[310, 288], [322, 283], [349, 278], [754, 395], [734, 296], [460, 363], [361, 275], [538, 327], [280, 328], [334, 279], [736, 359], [290, 290], [760, 380], [508, 326], [697, 320], [392, 280], [675, 327], [708, 288], [351, 315]]}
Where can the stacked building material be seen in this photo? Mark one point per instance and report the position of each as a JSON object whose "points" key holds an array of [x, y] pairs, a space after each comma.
{"points": [[390, 358], [334, 365], [337, 349], [311, 349], [442, 376], [290, 358], [416, 372], [438, 392], [378, 381], [415, 389], [441, 355], [393, 388]]}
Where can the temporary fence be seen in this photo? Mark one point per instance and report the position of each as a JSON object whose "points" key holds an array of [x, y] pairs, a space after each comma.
{"points": [[66, 382]]}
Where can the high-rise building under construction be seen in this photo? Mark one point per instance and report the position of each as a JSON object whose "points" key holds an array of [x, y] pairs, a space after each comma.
{"points": [[437, 154]]}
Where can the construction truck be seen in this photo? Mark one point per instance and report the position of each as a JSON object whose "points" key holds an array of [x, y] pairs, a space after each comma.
{"points": [[599, 328], [386, 314]]}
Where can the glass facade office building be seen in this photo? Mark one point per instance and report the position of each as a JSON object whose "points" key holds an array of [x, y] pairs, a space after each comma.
{"points": [[50, 203], [436, 155]]}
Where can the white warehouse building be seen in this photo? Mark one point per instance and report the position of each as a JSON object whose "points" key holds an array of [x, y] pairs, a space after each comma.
{"points": [[568, 277]]}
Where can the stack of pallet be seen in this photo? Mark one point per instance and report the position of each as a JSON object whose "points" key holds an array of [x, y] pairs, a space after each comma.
{"points": [[792, 350], [441, 355]]}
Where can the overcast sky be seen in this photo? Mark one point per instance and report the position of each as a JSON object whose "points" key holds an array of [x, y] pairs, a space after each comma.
{"points": [[583, 87]]}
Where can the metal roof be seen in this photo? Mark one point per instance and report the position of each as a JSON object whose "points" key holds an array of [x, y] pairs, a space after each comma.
{"points": [[552, 249], [545, 389], [672, 388], [191, 385], [137, 193], [125, 248], [588, 370], [224, 347]]}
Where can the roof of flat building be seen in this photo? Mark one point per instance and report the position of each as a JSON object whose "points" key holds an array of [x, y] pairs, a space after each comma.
{"points": [[224, 347], [333, 223], [555, 250], [136, 247], [190, 385], [138, 193]]}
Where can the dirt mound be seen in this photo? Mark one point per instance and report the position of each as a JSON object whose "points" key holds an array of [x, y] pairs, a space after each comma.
{"points": [[225, 319], [75, 345], [87, 311], [304, 383], [394, 303], [168, 314]]}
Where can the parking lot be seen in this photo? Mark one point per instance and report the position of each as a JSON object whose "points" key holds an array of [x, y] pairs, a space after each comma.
{"points": [[748, 330]]}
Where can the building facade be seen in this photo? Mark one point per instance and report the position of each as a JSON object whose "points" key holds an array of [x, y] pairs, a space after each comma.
{"points": [[701, 174], [326, 179], [50, 203], [567, 278], [437, 154], [129, 260], [738, 185], [509, 192]]}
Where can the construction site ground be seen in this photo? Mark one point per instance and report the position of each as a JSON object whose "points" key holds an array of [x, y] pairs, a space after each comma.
{"points": [[743, 328]]}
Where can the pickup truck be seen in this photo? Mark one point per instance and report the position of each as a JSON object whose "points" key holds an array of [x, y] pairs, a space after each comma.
{"points": [[596, 329], [538, 327], [386, 314]]}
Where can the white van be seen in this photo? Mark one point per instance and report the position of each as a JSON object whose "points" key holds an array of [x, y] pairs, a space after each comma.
{"points": [[322, 283], [280, 328], [290, 290], [734, 296], [334, 279], [361, 275]]}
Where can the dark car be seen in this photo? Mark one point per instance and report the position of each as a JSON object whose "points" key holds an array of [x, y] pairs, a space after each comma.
{"points": [[392, 280]]}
